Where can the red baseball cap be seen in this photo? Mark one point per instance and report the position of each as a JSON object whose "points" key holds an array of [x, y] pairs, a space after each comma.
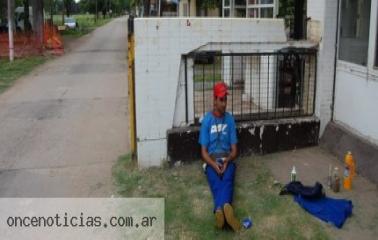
{"points": [[220, 89]]}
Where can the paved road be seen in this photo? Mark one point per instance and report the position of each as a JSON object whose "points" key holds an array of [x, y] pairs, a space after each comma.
{"points": [[63, 126]]}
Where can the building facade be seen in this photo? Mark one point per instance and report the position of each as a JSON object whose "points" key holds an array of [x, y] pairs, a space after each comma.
{"points": [[348, 73]]}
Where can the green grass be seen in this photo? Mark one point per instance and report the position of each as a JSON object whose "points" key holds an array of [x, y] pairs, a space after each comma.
{"points": [[9, 72], [86, 23], [188, 201], [208, 72], [207, 77]]}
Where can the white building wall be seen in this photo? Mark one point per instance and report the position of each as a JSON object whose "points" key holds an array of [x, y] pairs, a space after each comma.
{"points": [[159, 45], [356, 89], [356, 103], [315, 9], [322, 28], [356, 95]]}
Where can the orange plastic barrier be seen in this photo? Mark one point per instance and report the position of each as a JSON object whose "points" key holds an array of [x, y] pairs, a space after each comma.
{"points": [[52, 39], [26, 44]]}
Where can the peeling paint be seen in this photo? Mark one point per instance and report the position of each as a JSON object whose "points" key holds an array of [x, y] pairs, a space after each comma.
{"points": [[268, 140], [261, 131]]}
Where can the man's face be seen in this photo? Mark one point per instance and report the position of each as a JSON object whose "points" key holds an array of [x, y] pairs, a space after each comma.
{"points": [[220, 104]]}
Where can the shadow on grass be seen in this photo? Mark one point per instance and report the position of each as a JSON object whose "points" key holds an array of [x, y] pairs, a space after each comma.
{"points": [[188, 201]]}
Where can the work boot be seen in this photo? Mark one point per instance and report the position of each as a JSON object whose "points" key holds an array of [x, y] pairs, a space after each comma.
{"points": [[219, 218], [230, 217]]}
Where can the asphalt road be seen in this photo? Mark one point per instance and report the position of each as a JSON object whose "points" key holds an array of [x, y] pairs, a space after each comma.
{"points": [[63, 126]]}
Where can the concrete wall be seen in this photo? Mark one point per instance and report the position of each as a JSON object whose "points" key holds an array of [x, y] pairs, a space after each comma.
{"points": [[159, 46], [255, 137], [338, 139], [322, 28]]}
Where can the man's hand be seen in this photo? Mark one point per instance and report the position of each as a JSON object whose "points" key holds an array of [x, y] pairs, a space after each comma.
{"points": [[217, 168]]}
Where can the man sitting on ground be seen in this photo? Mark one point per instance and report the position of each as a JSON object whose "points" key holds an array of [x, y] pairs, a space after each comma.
{"points": [[218, 149]]}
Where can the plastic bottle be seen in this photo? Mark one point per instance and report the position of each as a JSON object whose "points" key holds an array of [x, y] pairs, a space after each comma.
{"points": [[350, 163], [329, 179], [347, 179], [293, 174], [336, 180]]}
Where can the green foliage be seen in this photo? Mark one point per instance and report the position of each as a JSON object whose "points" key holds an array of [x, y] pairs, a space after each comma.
{"points": [[208, 4], [286, 11], [117, 6], [286, 8]]}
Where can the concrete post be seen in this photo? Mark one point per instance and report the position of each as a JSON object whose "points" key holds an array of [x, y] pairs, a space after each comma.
{"points": [[10, 29]]}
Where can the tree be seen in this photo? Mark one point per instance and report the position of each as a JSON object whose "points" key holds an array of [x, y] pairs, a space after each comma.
{"points": [[286, 8], [68, 6], [27, 24], [208, 4], [286, 11], [2, 10], [104, 6]]}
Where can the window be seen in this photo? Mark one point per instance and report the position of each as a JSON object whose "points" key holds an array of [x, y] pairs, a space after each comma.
{"points": [[266, 1], [239, 8], [240, 3], [226, 12], [253, 12], [260, 8], [354, 31], [226, 8], [266, 12]]}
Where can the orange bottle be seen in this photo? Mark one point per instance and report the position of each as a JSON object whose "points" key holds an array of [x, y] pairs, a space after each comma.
{"points": [[347, 179], [349, 162]]}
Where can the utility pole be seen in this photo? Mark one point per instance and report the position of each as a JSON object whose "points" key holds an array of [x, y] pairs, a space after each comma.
{"points": [[10, 29], [159, 7]]}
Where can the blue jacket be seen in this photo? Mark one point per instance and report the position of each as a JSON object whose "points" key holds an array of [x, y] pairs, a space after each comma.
{"points": [[335, 211]]}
